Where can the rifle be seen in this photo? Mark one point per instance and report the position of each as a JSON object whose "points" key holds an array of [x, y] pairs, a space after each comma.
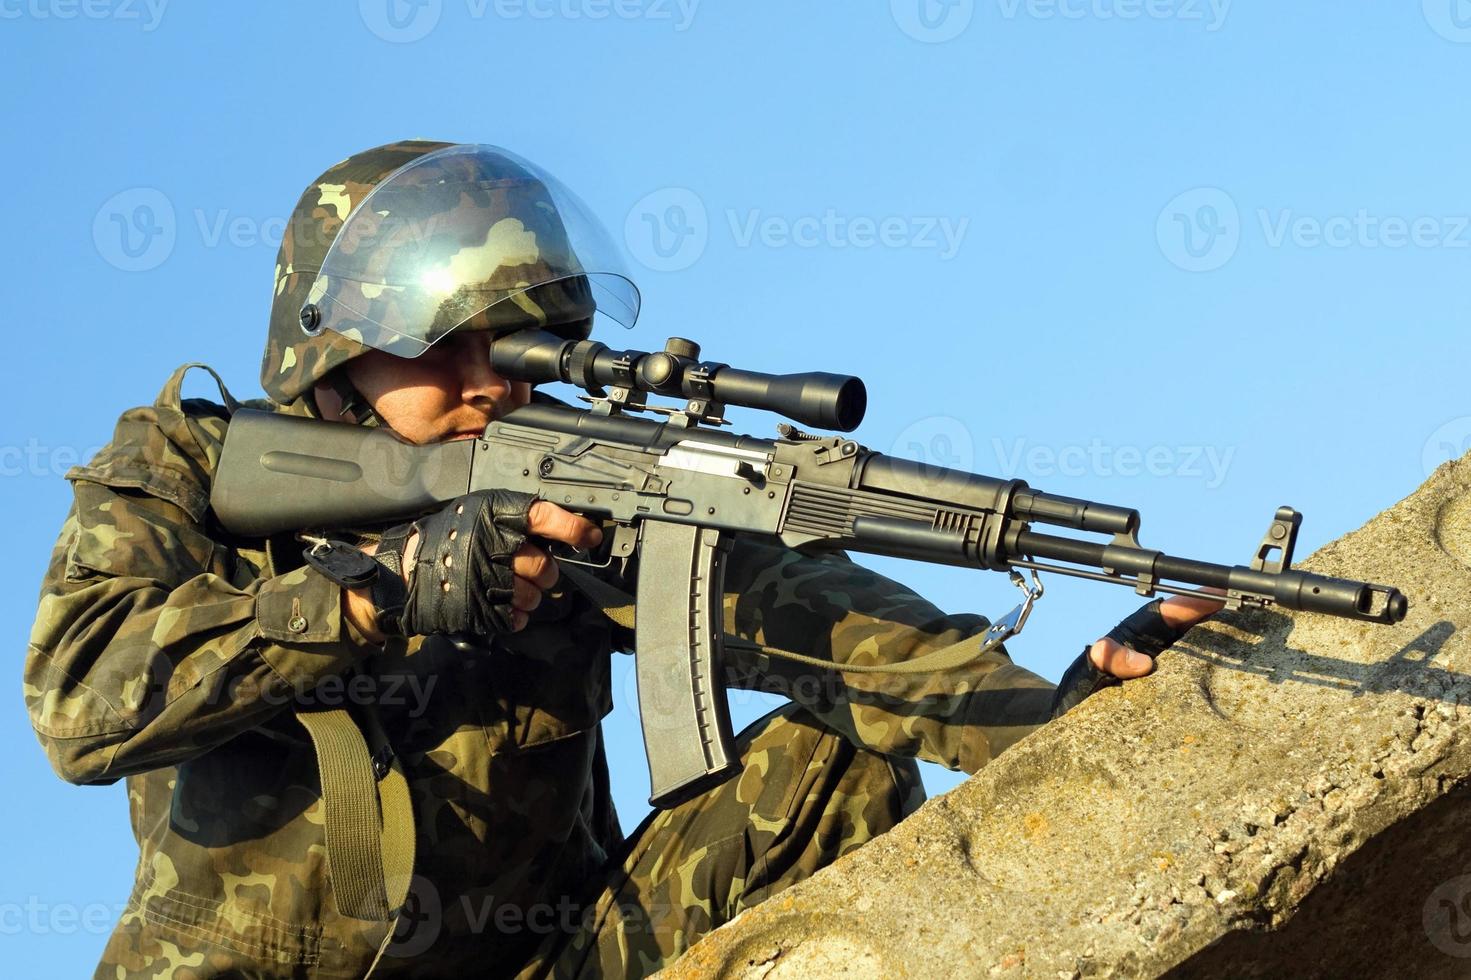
{"points": [[675, 492]]}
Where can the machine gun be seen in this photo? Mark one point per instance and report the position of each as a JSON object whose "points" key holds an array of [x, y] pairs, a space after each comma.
{"points": [[675, 491]]}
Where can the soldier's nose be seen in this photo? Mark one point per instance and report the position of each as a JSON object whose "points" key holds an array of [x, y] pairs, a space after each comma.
{"points": [[480, 384]]}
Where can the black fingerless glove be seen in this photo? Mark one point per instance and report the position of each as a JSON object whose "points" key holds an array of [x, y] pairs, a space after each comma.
{"points": [[1144, 630], [1079, 682], [461, 580]]}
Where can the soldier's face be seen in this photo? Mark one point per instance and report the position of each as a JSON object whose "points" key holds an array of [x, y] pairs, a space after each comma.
{"points": [[448, 392]]}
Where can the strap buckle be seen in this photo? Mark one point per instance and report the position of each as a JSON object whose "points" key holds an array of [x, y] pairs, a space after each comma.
{"points": [[1012, 623], [382, 761], [342, 563]]}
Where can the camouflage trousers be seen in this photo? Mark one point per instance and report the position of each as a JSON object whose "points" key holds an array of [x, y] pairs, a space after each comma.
{"points": [[805, 797]]}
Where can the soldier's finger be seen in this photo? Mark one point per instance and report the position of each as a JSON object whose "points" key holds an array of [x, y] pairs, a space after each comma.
{"points": [[535, 566], [1118, 660], [525, 595], [519, 620], [1184, 611], [547, 520]]}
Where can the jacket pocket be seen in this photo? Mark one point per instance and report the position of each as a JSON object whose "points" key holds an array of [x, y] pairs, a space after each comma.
{"points": [[205, 926]]}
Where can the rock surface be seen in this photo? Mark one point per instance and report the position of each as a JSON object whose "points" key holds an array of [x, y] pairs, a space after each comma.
{"points": [[1283, 797]]}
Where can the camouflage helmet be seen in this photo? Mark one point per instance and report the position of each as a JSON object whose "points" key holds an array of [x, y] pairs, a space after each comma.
{"points": [[395, 247]]}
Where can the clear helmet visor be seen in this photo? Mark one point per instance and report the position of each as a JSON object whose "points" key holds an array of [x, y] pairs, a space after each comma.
{"points": [[467, 233]]}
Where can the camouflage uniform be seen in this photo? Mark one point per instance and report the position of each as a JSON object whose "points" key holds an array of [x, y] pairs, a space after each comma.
{"points": [[167, 652], [174, 654]]}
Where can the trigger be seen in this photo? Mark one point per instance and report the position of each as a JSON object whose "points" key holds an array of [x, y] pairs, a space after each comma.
{"points": [[619, 545]]}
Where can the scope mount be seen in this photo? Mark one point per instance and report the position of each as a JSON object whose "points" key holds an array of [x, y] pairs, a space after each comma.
{"points": [[682, 355]]}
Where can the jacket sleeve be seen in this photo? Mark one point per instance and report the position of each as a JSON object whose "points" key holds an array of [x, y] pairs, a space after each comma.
{"points": [[829, 607], [154, 643]]}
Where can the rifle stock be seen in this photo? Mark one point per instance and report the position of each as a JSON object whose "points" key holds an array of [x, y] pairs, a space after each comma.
{"points": [[280, 473]]}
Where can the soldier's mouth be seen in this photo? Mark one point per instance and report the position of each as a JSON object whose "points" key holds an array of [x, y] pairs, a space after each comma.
{"points": [[474, 431]]}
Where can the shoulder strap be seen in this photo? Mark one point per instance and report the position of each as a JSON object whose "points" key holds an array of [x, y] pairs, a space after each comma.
{"points": [[370, 824], [172, 395], [619, 607], [369, 818]]}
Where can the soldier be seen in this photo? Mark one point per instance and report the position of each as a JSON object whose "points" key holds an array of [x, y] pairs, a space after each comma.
{"points": [[215, 673]]}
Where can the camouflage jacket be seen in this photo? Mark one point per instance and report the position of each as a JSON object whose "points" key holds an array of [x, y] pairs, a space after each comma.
{"points": [[173, 654]]}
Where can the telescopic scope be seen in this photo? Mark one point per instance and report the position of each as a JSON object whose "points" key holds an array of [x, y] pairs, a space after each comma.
{"points": [[816, 398]]}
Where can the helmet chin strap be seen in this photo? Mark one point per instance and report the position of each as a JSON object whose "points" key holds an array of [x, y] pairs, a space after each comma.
{"points": [[354, 405]]}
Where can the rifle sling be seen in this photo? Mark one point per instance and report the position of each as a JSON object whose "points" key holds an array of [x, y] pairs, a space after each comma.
{"points": [[618, 606]]}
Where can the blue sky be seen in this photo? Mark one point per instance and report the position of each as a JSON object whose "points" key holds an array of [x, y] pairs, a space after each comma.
{"points": [[1199, 258]]}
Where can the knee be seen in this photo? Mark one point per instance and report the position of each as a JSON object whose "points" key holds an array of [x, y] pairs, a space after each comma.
{"points": [[796, 766]]}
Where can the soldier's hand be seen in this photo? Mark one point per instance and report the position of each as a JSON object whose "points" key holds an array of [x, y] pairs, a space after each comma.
{"points": [[1129, 649], [473, 570], [536, 571]]}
